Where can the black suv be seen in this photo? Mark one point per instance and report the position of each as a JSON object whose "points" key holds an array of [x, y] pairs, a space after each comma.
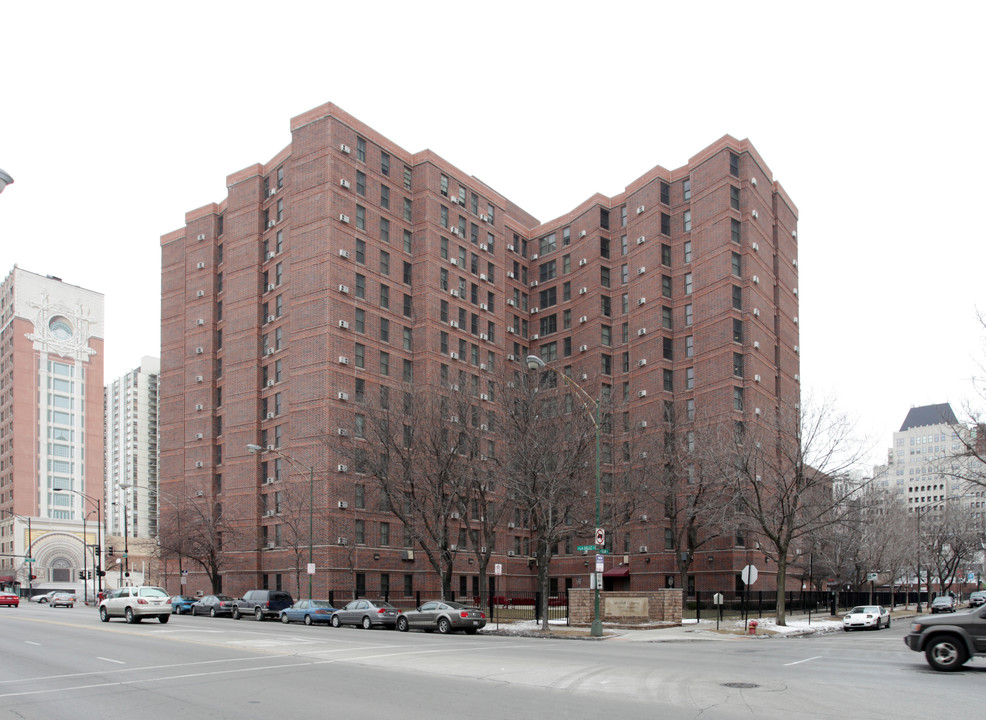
{"points": [[947, 642], [261, 604]]}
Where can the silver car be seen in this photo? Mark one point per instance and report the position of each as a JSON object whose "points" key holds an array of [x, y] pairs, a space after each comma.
{"points": [[445, 617], [135, 603], [366, 614]]}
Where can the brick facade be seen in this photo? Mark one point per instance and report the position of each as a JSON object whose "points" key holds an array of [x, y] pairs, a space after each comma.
{"points": [[625, 607], [335, 263]]}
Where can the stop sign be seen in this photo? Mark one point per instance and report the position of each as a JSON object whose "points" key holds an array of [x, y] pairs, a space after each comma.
{"points": [[749, 574]]}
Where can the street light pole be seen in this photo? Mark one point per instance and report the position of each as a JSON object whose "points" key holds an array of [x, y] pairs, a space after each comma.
{"points": [[259, 450], [126, 531], [536, 363]]}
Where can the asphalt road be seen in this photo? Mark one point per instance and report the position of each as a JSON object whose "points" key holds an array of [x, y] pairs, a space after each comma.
{"points": [[64, 663]]}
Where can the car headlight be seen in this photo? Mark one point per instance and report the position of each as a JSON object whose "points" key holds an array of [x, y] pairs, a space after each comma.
{"points": [[915, 627]]}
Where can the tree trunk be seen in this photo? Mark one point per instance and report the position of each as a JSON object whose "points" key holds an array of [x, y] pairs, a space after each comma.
{"points": [[781, 585]]}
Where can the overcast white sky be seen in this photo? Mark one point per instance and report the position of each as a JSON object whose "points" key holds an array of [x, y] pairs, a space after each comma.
{"points": [[118, 117]]}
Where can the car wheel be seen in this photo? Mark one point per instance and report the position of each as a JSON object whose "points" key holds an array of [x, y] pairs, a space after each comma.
{"points": [[43, 600], [888, 623], [104, 614], [212, 612], [444, 626], [366, 623], [163, 619], [335, 621], [284, 618], [130, 617], [945, 653], [308, 619], [402, 625], [236, 613], [259, 614]]}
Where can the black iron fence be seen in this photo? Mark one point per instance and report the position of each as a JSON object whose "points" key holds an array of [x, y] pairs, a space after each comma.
{"points": [[502, 608], [758, 603]]}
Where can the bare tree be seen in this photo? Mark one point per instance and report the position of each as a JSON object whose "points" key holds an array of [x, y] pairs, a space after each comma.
{"points": [[951, 539], [291, 504], [548, 464], [790, 471], [196, 529]]}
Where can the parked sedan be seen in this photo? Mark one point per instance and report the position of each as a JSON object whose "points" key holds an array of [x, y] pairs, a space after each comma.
{"points": [[9, 599], [942, 604], [44, 597], [863, 617], [443, 616], [308, 612], [977, 598], [213, 605], [62, 599], [182, 604], [366, 614]]}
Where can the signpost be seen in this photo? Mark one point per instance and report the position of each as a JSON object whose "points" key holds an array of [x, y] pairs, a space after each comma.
{"points": [[749, 576], [717, 601]]}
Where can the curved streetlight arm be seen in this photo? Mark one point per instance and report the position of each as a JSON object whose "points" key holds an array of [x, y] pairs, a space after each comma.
{"points": [[536, 363]]}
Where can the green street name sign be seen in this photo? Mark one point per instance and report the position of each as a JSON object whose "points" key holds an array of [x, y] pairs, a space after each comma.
{"points": [[592, 548]]}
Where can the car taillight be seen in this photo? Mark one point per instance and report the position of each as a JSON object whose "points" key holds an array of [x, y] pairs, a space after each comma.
{"points": [[463, 613], [381, 610], [141, 601]]}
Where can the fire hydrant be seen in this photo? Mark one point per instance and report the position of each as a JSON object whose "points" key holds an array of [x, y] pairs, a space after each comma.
{"points": [[753, 627]]}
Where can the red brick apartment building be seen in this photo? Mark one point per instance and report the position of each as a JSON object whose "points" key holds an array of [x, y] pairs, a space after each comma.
{"points": [[346, 262]]}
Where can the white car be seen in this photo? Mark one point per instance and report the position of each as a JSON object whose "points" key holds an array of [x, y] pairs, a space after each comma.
{"points": [[135, 603], [863, 617]]}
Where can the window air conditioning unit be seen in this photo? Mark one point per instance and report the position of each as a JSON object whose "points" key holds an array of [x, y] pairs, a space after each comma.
{"points": [[272, 192], [454, 199], [454, 387], [511, 525], [344, 289], [201, 237], [344, 183], [269, 481], [756, 411], [534, 283], [271, 255], [343, 253], [345, 148], [270, 546], [641, 362], [511, 330], [510, 274], [484, 218], [795, 291], [534, 310], [199, 407], [198, 436], [270, 287], [510, 553], [453, 548], [198, 463], [484, 427], [453, 293], [484, 396], [454, 230], [342, 541], [756, 279], [511, 302], [643, 424], [534, 256], [201, 266], [583, 348], [270, 416], [343, 432], [583, 261], [271, 351], [453, 323], [454, 355], [343, 396], [272, 447], [269, 513], [584, 318], [535, 336], [271, 318], [344, 324], [484, 366], [454, 516], [756, 344], [794, 233], [756, 312], [343, 360], [756, 378], [342, 504], [199, 378], [756, 247], [641, 393], [641, 270], [642, 548], [484, 306], [755, 214], [641, 240], [753, 181], [642, 331], [270, 383], [485, 248], [484, 336], [511, 356], [342, 468], [583, 291], [795, 319], [271, 223], [454, 261], [797, 348], [343, 217], [642, 301], [640, 209], [797, 378], [582, 233], [510, 247]]}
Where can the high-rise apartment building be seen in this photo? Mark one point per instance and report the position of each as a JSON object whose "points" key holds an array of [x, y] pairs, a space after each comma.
{"points": [[51, 428], [347, 264], [132, 458]]}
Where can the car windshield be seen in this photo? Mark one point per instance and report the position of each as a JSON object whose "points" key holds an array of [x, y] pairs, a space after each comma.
{"points": [[321, 603], [152, 592], [381, 604], [943, 601], [864, 609]]}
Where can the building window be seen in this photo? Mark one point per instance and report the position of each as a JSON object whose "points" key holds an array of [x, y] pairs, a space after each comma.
{"points": [[665, 224], [737, 331], [407, 210], [738, 364], [360, 286], [734, 164], [360, 320], [606, 335], [385, 330], [360, 355], [668, 380], [688, 283], [688, 315], [384, 262], [734, 231], [665, 193], [604, 276], [607, 364], [689, 378], [665, 254], [736, 263], [738, 398], [547, 244], [604, 219], [407, 178], [360, 183], [687, 220], [737, 297], [666, 285], [444, 216], [384, 296], [666, 317], [384, 163], [360, 217], [688, 251], [689, 346], [385, 230], [734, 197], [385, 364], [686, 187], [667, 350]]}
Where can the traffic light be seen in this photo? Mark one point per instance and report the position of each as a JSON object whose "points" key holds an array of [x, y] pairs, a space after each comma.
{"points": [[82, 574], [95, 549], [109, 549], [89, 575], [34, 577]]}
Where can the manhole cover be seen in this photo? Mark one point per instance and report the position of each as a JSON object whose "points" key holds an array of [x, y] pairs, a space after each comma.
{"points": [[741, 686]]}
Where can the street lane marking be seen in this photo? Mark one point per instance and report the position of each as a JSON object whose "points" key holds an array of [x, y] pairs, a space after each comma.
{"points": [[32, 643], [135, 669], [798, 662], [118, 662]]}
